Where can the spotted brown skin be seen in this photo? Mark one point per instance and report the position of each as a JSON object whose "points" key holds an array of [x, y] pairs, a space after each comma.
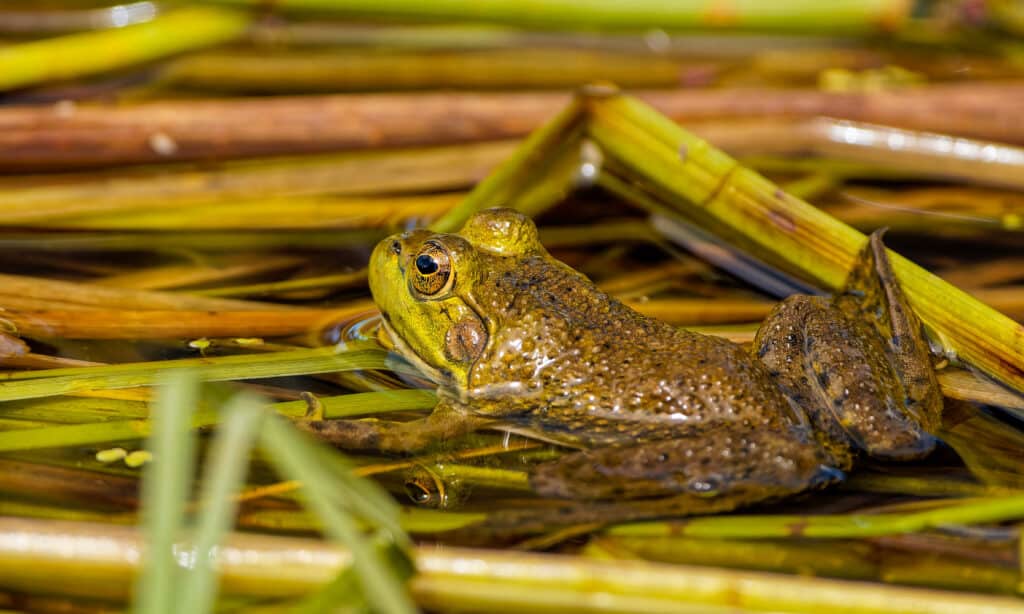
{"points": [[517, 340]]}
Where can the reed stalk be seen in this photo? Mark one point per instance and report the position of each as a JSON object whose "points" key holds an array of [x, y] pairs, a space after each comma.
{"points": [[68, 295], [283, 213], [103, 559], [850, 560], [844, 526], [91, 53], [44, 137], [340, 71], [849, 16], [209, 271], [409, 170], [707, 185], [177, 324]]}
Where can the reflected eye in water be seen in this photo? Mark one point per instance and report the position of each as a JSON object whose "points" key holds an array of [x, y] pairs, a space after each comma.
{"points": [[426, 488], [432, 274], [422, 494]]}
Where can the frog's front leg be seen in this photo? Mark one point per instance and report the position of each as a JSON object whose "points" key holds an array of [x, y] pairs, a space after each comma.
{"points": [[858, 365], [723, 466], [446, 421]]}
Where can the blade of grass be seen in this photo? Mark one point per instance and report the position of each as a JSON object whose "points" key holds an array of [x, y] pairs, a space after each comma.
{"points": [[225, 472], [971, 511], [92, 433], [53, 382], [343, 589], [165, 487], [349, 491], [788, 15], [294, 457]]}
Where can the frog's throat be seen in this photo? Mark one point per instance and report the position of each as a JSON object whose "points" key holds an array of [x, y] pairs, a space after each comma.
{"points": [[442, 378]]}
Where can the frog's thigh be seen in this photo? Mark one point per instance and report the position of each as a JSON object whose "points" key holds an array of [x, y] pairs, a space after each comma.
{"points": [[716, 465], [837, 370], [445, 422]]}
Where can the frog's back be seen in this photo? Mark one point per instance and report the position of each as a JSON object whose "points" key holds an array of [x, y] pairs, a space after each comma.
{"points": [[581, 366]]}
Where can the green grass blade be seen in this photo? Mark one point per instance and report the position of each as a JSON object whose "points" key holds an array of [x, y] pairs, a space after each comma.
{"points": [[166, 484], [787, 15], [343, 589], [225, 473], [296, 459], [91, 433], [358, 496], [54, 382], [973, 511]]}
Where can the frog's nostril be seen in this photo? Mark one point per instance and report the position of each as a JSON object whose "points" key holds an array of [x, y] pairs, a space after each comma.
{"points": [[396, 247]]}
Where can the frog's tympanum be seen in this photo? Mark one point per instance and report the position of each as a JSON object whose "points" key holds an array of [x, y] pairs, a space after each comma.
{"points": [[519, 341]]}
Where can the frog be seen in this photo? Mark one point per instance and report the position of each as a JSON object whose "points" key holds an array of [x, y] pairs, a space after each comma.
{"points": [[517, 340]]}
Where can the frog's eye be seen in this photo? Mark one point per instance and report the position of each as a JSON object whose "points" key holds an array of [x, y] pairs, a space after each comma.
{"points": [[432, 272]]}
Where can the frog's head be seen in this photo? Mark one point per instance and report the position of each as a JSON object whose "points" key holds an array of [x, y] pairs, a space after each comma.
{"points": [[426, 285]]}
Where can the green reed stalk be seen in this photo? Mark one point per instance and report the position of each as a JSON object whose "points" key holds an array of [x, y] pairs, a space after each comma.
{"points": [[91, 53], [784, 15], [465, 579]]}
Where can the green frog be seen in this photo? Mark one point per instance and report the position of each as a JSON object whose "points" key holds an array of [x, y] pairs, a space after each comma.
{"points": [[519, 341]]}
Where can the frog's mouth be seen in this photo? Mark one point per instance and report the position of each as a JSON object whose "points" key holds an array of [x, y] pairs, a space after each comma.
{"points": [[441, 377]]}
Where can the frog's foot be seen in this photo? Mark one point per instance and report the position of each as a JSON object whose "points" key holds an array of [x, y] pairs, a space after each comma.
{"points": [[857, 365], [715, 468], [394, 437]]}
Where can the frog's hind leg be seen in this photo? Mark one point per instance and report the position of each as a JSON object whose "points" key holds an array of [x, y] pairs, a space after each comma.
{"points": [[857, 365], [714, 469], [873, 289]]}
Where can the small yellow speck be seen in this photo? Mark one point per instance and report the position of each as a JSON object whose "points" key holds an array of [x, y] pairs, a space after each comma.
{"points": [[138, 458], [246, 341], [1013, 221], [111, 455]]}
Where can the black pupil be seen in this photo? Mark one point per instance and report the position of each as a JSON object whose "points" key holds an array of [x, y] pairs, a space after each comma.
{"points": [[417, 493], [426, 264]]}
